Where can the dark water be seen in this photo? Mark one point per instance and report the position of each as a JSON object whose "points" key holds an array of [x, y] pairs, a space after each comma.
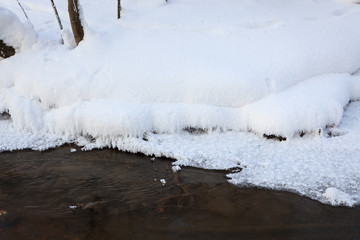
{"points": [[117, 198]]}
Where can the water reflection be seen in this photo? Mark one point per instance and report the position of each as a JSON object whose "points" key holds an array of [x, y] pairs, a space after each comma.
{"points": [[116, 195]]}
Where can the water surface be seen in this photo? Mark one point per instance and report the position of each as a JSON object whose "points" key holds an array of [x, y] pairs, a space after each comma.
{"points": [[118, 195]]}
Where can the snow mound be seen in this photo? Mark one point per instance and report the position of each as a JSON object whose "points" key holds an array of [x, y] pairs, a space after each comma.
{"points": [[14, 33], [303, 108], [337, 197]]}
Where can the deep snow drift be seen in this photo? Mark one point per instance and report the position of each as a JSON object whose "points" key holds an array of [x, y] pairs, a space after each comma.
{"points": [[198, 81]]}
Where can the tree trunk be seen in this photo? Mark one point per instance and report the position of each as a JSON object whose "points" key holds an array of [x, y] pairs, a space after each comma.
{"points": [[5, 50], [77, 28]]}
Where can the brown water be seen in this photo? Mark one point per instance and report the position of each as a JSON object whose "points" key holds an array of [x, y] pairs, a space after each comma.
{"points": [[117, 198]]}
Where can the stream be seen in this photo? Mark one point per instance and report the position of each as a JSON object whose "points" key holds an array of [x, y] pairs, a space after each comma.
{"points": [[107, 194]]}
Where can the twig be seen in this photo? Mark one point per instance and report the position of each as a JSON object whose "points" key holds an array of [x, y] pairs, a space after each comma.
{"points": [[23, 10], [57, 14], [119, 9]]}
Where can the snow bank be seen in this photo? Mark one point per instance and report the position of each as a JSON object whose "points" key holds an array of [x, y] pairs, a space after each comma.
{"points": [[14, 33], [303, 108], [12, 139], [308, 166], [217, 69], [308, 106]]}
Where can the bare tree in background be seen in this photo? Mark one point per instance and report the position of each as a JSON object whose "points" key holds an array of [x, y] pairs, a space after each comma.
{"points": [[77, 28], [5, 50], [118, 9]]}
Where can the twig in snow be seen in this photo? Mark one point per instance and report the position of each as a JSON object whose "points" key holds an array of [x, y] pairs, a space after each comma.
{"points": [[23, 10], [57, 14], [58, 19]]}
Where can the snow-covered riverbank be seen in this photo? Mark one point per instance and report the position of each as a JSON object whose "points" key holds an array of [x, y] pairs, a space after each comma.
{"points": [[200, 82]]}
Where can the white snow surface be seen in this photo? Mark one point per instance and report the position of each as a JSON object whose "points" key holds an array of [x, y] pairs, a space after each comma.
{"points": [[19, 35], [337, 197], [163, 182], [197, 81], [176, 168]]}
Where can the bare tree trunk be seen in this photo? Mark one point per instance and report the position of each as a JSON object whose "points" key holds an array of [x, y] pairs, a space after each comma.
{"points": [[5, 50], [77, 28], [118, 9]]}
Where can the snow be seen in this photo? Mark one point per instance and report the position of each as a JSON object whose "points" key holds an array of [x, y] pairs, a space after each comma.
{"points": [[68, 39], [200, 82], [19, 35], [14, 139], [163, 182], [337, 197], [176, 168]]}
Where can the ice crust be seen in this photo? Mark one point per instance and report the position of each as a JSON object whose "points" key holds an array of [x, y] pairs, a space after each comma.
{"points": [[200, 82]]}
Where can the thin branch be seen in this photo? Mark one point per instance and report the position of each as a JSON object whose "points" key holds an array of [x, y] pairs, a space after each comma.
{"points": [[119, 9], [57, 14], [23, 10]]}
